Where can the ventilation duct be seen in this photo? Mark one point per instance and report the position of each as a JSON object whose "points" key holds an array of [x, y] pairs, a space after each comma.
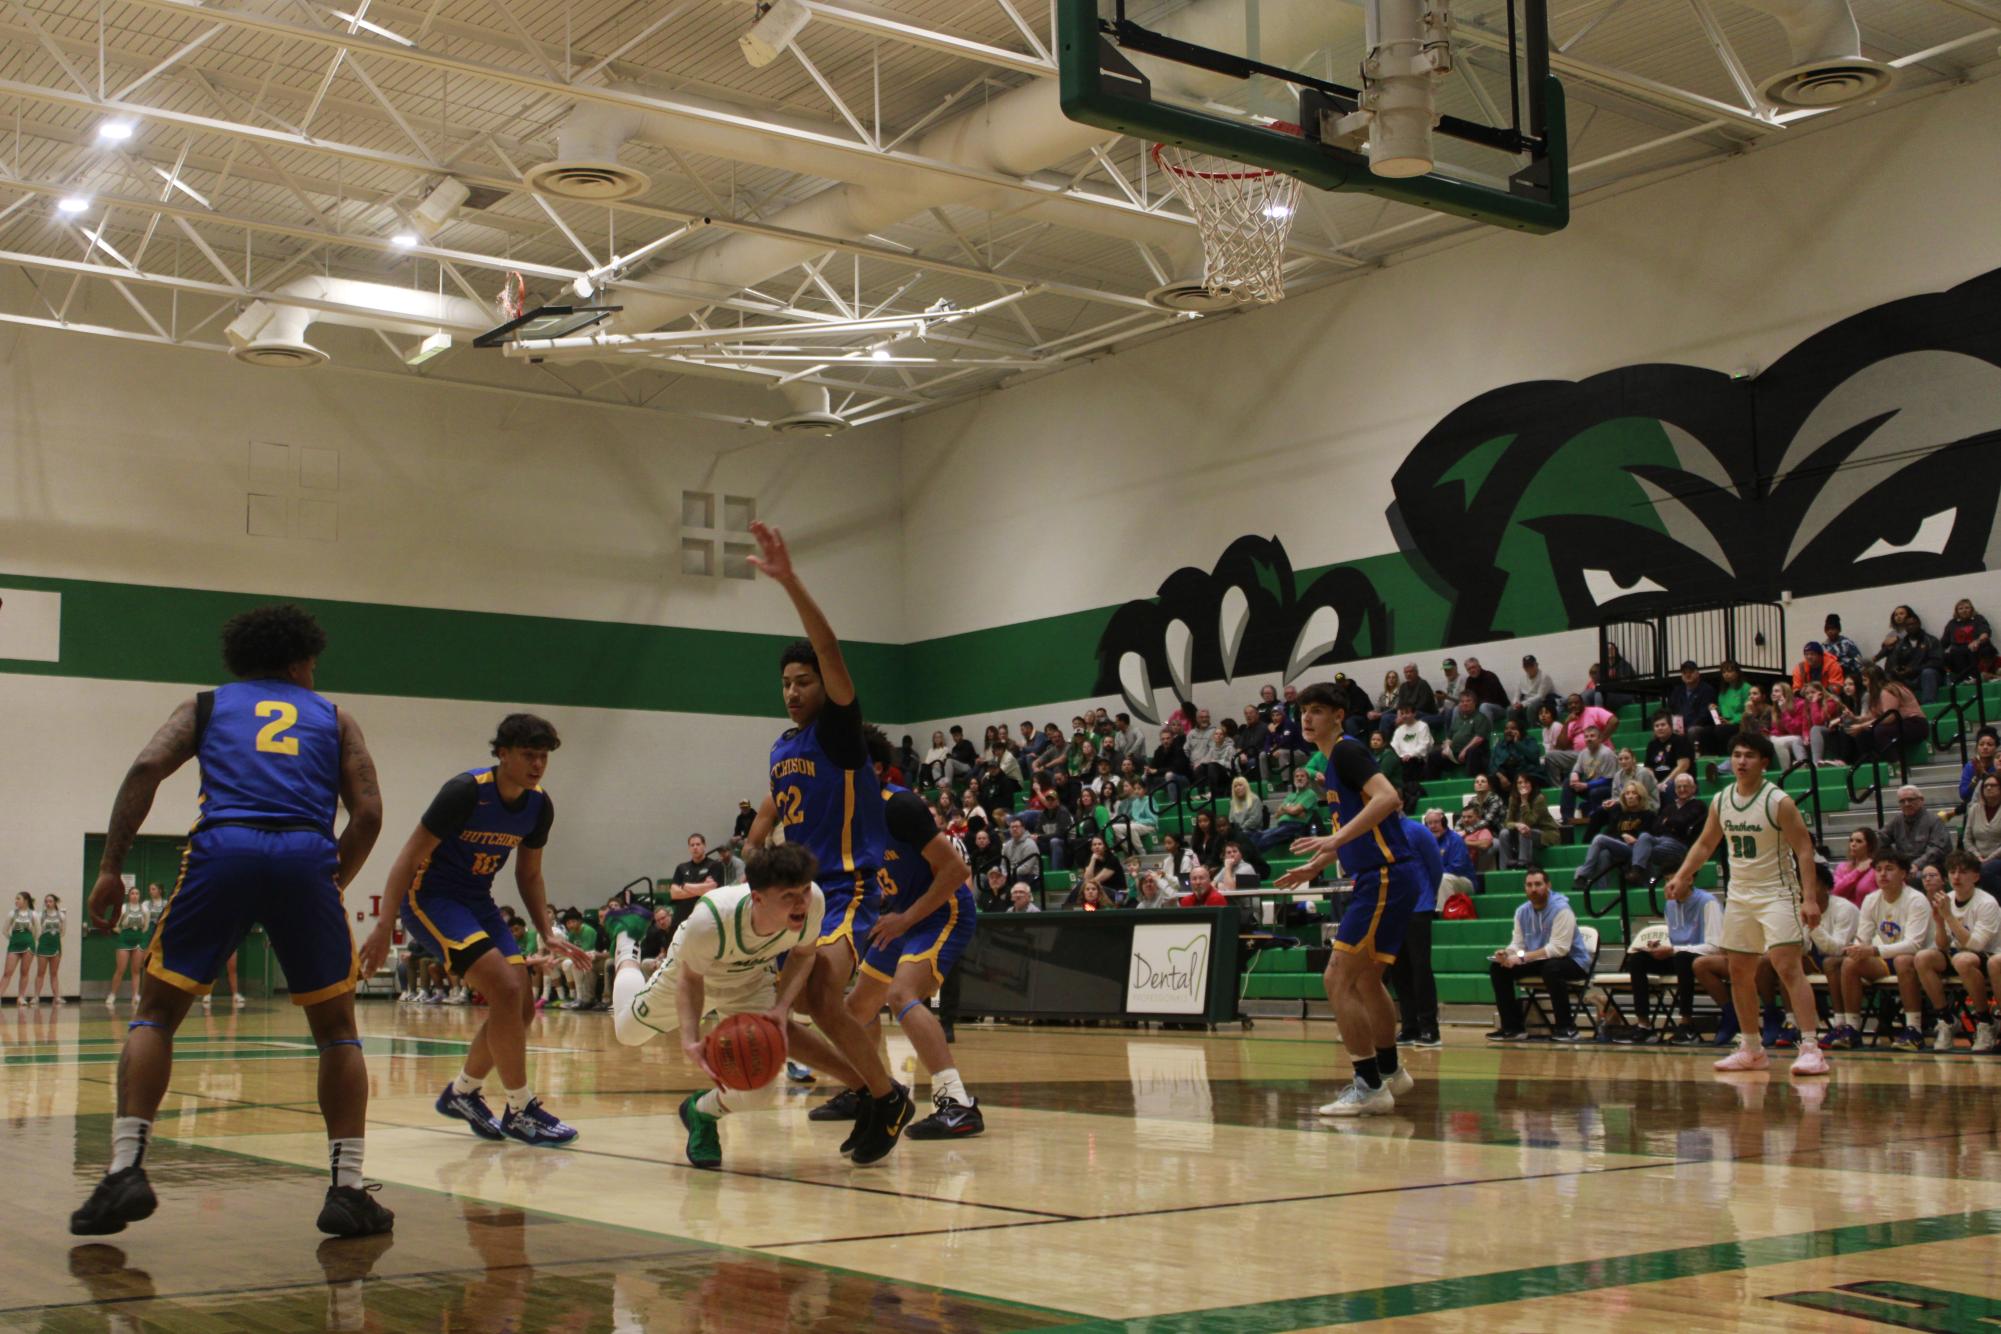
{"points": [[273, 332], [1017, 133], [810, 411], [1828, 68]]}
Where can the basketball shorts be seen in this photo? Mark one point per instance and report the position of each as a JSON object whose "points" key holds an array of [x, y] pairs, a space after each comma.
{"points": [[852, 902], [656, 1005], [1379, 912], [234, 877], [1754, 925], [938, 940], [457, 931]]}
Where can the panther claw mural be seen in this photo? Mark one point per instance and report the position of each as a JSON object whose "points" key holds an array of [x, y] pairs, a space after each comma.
{"points": [[1868, 455]]}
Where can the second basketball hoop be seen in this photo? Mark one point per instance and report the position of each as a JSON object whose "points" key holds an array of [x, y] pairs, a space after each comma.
{"points": [[1244, 214]]}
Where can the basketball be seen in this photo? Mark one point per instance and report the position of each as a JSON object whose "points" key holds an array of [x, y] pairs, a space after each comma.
{"points": [[745, 1050]]}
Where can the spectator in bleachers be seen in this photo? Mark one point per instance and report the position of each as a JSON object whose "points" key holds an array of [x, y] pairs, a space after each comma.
{"points": [[729, 862], [1551, 730], [1247, 844], [1357, 711], [1488, 691], [1609, 674], [1168, 770], [1449, 688], [1295, 816], [1695, 929], [1462, 752], [1534, 690], [1179, 860], [1136, 821], [1052, 833], [1518, 751], [1968, 644], [1669, 753], [1629, 818], [692, 878], [653, 945], [1914, 831], [1986, 747], [1213, 757], [1488, 810], [1590, 778], [1411, 742], [1252, 734], [1415, 693], [982, 852], [1692, 705], [1382, 715], [1285, 749], [1153, 892], [1791, 723], [746, 815], [1733, 692], [1563, 743], [1890, 716], [937, 762], [1629, 772], [1247, 810], [1020, 856], [1020, 898], [1546, 944], [963, 757], [1126, 739], [1453, 855], [1103, 869], [1820, 667], [1088, 897], [1530, 827], [1982, 834], [1815, 714], [1894, 921], [1855, 878], [1235, 872], [1391, 766], [1033, 742], [1911, 656], [1842, 649], [1677, 825], [1202, 891], [1205, 840], [1966, 925]]}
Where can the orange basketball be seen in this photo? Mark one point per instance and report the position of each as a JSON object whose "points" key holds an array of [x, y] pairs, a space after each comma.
{"points": [[745, 1050]]}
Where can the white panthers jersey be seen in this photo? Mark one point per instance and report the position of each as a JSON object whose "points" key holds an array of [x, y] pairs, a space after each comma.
{"points": [[718, 942], [1761, 867]]}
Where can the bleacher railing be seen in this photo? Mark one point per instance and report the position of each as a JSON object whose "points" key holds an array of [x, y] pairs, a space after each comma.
{"points": [[1750, 634]]}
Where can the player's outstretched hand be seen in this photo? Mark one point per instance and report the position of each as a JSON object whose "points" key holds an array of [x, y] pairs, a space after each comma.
{"points": [[105, 896], [1313, 847], [698, 1053], [564, 950], [376, 948], [1297, 877], [891, 927], [774, 558]]}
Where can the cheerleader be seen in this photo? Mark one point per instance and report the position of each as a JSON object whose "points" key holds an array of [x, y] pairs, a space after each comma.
{"points": [[20, 948], [134, 931], [49, 947]]}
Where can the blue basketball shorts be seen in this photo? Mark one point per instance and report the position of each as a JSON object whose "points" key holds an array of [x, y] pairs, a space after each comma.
{"points": [[457, 931], [852, 902], [1379, 912], [938, 940], [234, 877]]}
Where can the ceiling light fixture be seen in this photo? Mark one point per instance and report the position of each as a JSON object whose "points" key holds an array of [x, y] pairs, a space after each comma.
{"points": [[74, 204], [778, 22], [116, 131], [405, 240]]}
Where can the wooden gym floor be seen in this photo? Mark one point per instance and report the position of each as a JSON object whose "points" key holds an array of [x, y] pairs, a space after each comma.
{"points": [[1161, 1182]]}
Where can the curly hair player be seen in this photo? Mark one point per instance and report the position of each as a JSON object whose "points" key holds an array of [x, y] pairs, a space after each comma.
{"points": [[275, 757], [478, 819]]}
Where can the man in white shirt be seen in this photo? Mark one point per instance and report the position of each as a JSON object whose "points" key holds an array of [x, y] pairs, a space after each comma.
{"points": [[1412, 740], [1895, 921], [1966, 928], [1826, 939], [1535, 690], [1695, 928]]}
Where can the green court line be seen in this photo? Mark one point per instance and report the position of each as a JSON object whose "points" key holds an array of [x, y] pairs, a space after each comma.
{"points": [[1559, 1280]]}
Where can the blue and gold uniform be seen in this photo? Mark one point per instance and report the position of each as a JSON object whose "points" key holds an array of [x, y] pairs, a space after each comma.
{"points": [[827, 798], [1388, 881], [947, 930], [263, 851], [450, 912]]}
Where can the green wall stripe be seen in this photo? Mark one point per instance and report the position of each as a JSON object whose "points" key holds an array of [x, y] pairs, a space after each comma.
{"points": [[1557, 1280], [141, 632]]}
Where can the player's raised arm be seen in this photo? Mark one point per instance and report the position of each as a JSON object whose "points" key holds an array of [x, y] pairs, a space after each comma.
{"points": [[775, 559], [362, 796], [171, 747]]}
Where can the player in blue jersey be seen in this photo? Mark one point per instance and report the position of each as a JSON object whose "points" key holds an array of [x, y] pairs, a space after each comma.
{"points": [[476, 822], [824, 795], [1369, 841], [275, 758], [926, 923]]}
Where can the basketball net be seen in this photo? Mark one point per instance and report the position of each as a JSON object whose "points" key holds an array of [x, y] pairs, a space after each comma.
{"points": [[513, 297], [1244, 214]]}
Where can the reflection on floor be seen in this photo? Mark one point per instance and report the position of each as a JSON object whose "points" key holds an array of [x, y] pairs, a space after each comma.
{"points": [[1178, 1178]]}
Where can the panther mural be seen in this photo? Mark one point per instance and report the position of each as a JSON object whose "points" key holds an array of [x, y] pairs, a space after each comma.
{"points": [[1869, 454]]}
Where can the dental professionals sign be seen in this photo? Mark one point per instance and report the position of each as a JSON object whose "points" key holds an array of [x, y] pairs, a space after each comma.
{"points": [[1169, 973]]}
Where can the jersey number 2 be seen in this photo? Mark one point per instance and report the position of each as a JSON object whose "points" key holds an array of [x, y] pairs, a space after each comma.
{"points": [[271, 737], [789, 803]]}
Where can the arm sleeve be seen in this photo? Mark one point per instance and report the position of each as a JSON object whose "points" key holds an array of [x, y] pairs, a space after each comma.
{"points": [[1562, 932], [539, 835], [452, 807], [910, 820], [839, 728], [1352, 765], [1712, 930]]}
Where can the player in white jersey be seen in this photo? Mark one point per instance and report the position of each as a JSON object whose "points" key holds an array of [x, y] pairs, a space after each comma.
{"points": [[1966, 937], [745, 949], [1764, 914]]}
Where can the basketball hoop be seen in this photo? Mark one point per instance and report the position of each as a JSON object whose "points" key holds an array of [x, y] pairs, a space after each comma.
{"points": [[1244, 214], [513, 296]]}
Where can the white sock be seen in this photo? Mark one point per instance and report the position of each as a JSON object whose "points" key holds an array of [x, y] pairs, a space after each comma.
{"points": [[129, 1135], [344, 1156], [465, 1083], [711, 1104], [1809, 1038], [1913, 1019], [946, 1084], [1750, 1041], [520, 1098]]}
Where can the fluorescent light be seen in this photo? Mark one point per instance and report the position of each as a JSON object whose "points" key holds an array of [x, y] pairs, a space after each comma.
{"points": [[880, 353], [404, 239], [115, 131], [74, 204], [1278, 210], [375, 28], [430, 347]]}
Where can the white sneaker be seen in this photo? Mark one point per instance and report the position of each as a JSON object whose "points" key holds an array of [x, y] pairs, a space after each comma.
{"points": [[238, 1000], [207, 1002], [1983, 1037], [1942, 1035], [111, 1002], [1358, 1099], [1401, 1082]]}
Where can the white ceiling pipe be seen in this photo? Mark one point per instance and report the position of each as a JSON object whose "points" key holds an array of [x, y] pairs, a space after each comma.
{"points": [[273, 332], [1017, 133], [1828, 67]]}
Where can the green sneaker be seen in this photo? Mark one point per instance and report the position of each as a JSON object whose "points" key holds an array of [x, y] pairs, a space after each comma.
{"points": [[705, 1147]]}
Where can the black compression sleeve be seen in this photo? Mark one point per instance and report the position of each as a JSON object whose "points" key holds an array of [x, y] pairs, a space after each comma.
{"points": [[1351, 764], [839, 728], [539, 836], [910, 820], [452, 807]]}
